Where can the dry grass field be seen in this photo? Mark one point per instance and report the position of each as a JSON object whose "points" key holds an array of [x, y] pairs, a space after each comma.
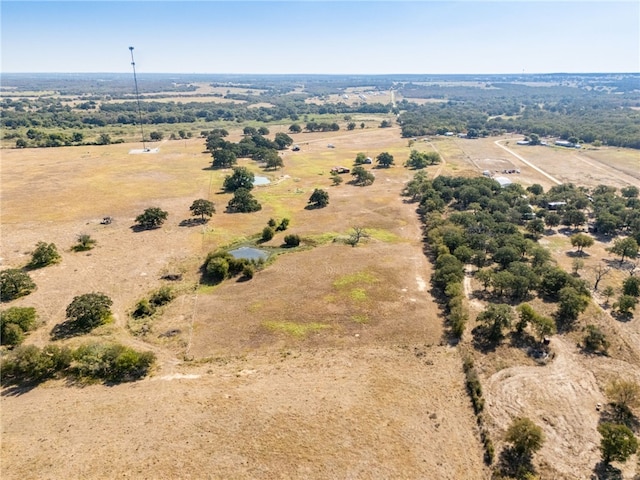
{"points": [[329, 363]]}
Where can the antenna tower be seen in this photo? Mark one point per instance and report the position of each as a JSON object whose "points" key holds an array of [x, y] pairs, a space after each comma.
{"points": [[135, 80]]}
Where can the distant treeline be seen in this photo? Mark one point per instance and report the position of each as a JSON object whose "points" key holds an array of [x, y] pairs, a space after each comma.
{"points": [[590, 107]]}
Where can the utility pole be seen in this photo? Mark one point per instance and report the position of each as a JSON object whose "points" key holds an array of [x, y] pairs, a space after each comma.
{"points": [[135, 80]]}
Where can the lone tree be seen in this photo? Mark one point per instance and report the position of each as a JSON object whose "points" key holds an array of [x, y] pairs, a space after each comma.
{"points": [[43, 255], [624, 396], [203, 208], [600, 271], [582, 241], [361, 176], [152, 217], [319, 198], [618, 442], [358, 234], [625, 247], [243, 202], [242, 177], [15, 283], [385, 160], [88, 311], [85, 242], [525, 438]]}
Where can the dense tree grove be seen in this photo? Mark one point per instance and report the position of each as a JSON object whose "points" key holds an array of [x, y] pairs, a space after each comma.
{"points": [[475, 221]]}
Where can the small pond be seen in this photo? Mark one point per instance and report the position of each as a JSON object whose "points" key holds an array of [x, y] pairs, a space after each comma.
{"points": [[249, 253], [261, 181]]}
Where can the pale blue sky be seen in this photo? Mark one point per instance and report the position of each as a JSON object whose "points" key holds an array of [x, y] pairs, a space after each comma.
{"points": [[327, 37]]}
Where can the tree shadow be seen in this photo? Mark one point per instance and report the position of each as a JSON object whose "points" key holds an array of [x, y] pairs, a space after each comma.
{"points": [[67, 329], [606, 471], [140, 228], [314, 206], [576, 254], [513, 464], [193, 222], [482, 340], [20, 389]]}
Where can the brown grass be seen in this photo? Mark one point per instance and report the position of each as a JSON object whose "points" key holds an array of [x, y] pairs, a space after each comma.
{"points": [[326, 364]]}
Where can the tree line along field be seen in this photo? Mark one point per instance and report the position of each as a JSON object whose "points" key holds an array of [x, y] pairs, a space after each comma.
{"points": [[357, 327]]}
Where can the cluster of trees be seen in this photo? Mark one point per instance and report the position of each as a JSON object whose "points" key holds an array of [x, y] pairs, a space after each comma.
{"points": [[418, 160], [255, 146], [219, 266], [108, 362], [482, 228]]}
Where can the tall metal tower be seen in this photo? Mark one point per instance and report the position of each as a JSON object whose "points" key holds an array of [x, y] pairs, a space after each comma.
{"points": [[135, 80]]}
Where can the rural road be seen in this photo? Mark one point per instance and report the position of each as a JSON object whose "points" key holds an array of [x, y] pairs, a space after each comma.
{"points": [[526, 162]]}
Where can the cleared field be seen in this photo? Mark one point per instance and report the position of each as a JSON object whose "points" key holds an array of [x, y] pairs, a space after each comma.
{"points": [[327, 364]]}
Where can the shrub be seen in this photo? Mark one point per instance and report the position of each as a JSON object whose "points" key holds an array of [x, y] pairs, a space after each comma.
{"points": [[85, 242], [162, 296], [89, 311], [143, 309], [15, 283], [284, 224], [44, 254], [30, 364], [110, 362], [267, 234], [595, 340], [152, 217], [248, 271], [292, 240], [14, 323], [217, 269]]}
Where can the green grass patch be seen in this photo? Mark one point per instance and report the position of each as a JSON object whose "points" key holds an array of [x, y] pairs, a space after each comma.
{"points": [[321, 239], [358, 294], [355, 278], [295, 329], [361, 319], [383, 235]]}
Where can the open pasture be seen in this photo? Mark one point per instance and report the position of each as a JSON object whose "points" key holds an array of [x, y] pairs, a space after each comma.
{"points": [[326, 364]]}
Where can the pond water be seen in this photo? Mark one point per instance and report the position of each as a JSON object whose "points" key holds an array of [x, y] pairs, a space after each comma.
{"points": [[249, 253], [261, 181]]}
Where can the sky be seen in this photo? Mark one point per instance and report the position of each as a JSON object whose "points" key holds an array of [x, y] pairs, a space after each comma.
{"points": [[320, 37]]}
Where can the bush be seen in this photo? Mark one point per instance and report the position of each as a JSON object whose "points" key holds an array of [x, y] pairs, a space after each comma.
{"points": [[284, 224], [248, 271], [152, 217], [217, 269], [162, 296], [14, 323], [44, 254], [595, 340], [143, 309], [31, 364], [85, 242], [292, 240], [267, 234], [88, 311], [15, 283], [110, 362]]}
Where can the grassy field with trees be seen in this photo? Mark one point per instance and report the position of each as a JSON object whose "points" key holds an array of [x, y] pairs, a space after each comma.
{"points": [[393, 291]]}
